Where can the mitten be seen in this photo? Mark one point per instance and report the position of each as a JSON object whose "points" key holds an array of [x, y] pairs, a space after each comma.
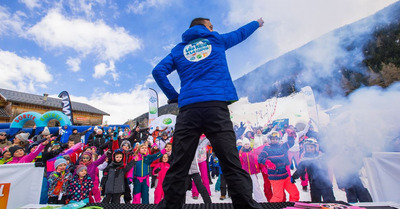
{"points": [[270, 165]]}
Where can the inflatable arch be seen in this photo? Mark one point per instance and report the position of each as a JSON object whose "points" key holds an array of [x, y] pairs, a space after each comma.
{"points": [[39, 119]]}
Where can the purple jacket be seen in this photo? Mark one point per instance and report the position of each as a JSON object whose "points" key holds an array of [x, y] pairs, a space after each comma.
{"points": [[93, 170]]}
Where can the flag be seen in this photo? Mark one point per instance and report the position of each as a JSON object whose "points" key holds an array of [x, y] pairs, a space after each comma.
{"points": [[66, 105], [50, 163], [311, 105], [153, 105]]}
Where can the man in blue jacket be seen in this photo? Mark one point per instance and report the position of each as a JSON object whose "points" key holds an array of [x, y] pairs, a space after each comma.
{"points": [[206, 91]]}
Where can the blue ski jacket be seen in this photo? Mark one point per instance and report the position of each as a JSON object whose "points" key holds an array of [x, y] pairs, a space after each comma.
{"points": [[201, 65]]}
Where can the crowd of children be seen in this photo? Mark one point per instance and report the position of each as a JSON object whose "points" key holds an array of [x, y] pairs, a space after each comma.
{"points": [[128, 160]]}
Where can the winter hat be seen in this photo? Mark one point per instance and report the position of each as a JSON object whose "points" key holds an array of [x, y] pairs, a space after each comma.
{"points": [[59, 161], [88, 153], [95, 128], [13, 149], [154, 145], [79, 168], [67, 157], [126, 143], [32, 145], [246, 141], [46, 131], [4, 150], [22, 136], [239, 141]]}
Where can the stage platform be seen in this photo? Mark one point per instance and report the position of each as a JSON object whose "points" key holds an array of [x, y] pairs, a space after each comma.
{"points": [[216, 206], [190, 206]]}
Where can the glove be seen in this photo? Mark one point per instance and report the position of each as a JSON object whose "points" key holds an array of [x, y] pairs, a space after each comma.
{"points": [[291, 133], [157, 170], [270, 165], [170, 101], [130, 180], [292, 180]]}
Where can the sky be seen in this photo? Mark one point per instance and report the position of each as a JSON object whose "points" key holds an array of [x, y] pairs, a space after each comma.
{"points": [[102, 52]]}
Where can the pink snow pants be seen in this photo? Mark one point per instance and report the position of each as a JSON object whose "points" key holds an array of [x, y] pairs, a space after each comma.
{"points": [[204, 179]]}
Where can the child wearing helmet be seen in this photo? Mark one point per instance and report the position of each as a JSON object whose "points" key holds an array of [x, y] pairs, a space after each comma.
{"points": [[274, 156], [314, 163]]}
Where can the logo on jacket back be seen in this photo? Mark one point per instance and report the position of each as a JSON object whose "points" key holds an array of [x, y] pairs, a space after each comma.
{"points": [[197, 50]]}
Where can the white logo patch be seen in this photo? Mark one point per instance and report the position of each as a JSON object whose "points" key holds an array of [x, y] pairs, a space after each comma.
{"points": [[197, 50]]}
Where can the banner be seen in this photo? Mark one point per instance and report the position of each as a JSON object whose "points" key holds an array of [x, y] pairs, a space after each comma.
{"points": [[167, 120], [153, 105], [20, 184], [73, 149], [281, 122], [383, 171], [311, 105], [66, 105]]}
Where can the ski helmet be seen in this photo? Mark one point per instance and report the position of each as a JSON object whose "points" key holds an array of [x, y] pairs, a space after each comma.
{"points": [[275, 134], [311, 141]]}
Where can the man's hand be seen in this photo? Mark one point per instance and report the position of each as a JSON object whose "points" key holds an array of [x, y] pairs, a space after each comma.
{"points": [[260, 22]]}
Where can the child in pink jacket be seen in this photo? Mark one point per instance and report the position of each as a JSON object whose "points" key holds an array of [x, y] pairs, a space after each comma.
{"points": [[202, 160], [160, 169], [93, 172], [19, 155], [249, 161]]}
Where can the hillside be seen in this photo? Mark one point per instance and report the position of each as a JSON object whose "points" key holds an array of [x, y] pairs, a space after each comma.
{"points": [[364, 53]]}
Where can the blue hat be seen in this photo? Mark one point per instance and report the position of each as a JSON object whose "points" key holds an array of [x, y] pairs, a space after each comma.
{"points": [[59, 161]]}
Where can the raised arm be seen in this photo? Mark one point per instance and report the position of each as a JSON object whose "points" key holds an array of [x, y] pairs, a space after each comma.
{"points": [[239, 35]]}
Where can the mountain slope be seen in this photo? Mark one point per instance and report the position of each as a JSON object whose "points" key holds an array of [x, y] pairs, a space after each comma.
{"points": [[363, 53]]}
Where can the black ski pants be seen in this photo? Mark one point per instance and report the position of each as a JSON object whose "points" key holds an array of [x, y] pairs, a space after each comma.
{"points": [[212, 119]]}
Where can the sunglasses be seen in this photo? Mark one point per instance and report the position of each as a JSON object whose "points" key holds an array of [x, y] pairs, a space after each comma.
{"points": [[2, 135]]}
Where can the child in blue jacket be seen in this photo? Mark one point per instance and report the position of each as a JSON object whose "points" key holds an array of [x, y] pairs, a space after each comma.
{"points": [[141, 173]]}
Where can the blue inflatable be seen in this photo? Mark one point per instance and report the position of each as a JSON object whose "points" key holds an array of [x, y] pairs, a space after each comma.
{"points": [[41, 121]]}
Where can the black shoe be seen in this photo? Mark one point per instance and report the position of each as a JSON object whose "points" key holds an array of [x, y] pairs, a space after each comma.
{"points": [[305, 188]]}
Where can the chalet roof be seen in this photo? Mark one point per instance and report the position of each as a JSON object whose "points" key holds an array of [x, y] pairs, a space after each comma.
{"points": [[21, 97]]}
